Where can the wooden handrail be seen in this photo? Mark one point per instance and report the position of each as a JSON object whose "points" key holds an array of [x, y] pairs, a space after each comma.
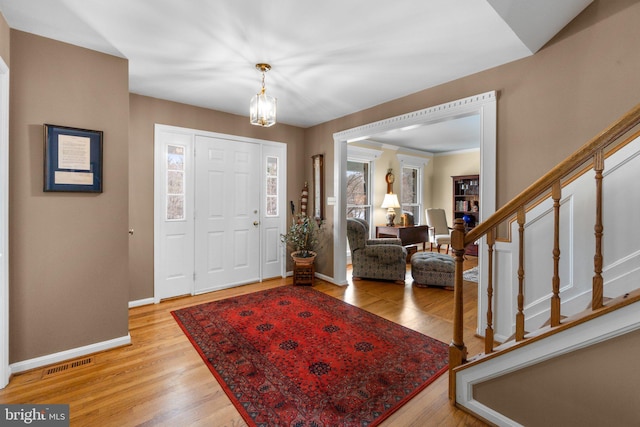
{"points": [[583, 154], [593, 153]]}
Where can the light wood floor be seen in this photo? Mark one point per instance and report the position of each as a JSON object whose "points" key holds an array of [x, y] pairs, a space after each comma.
{"points": [[160, 380]]}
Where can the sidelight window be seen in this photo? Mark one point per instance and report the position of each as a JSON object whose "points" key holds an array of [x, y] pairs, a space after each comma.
{"points": [[175, 183], [272, 208]]}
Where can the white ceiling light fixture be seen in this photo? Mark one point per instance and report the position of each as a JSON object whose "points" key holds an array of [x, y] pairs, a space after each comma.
{"points": [[262, 110]]}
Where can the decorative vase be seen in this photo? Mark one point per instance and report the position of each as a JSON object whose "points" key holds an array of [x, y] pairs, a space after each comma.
{"points": [[303, 260]]}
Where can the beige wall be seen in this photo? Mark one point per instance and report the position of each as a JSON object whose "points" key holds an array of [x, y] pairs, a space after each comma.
{"points": [[444, 167], [69, 252], [386, 161], [549, 104], [69, 284], [582, 388], [145, 113], [437, 184], [72, 261]]}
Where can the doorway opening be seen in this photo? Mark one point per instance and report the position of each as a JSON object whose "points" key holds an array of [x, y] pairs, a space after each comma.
{"points": [[484, 105]]}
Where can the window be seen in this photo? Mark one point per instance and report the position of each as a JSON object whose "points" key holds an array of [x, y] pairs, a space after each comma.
{"points": [[358, 196], [175, 183], [272, 207], [359, 186], [411, 192], [411, 185]]}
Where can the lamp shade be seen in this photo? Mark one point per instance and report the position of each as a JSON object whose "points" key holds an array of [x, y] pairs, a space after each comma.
{"points": [[390, 201]]}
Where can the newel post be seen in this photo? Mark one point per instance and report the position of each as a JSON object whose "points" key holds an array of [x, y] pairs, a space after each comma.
{"points": [[457, 349]]}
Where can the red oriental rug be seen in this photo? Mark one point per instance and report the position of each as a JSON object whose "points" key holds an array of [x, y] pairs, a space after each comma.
{"points": [[293, 356]]}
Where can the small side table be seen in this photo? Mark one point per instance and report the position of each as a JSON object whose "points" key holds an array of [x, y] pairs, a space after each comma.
{"points": [[304, 274]]}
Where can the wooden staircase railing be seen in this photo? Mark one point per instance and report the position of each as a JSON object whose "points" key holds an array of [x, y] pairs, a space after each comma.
{"points": [[592, 154]]}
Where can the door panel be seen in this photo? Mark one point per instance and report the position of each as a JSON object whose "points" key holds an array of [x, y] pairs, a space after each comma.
{"points": [[216, 252], [177, 245], [227, 205]]}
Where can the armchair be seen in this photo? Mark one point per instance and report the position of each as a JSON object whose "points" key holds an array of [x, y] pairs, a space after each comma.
{"points": [[384, 259], [439, 230]]}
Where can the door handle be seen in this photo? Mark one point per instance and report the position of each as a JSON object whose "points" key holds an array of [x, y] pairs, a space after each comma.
{"points": [[256, 223]]}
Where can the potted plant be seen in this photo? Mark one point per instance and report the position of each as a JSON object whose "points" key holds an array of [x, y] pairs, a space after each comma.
{"points": [[303, 237]]}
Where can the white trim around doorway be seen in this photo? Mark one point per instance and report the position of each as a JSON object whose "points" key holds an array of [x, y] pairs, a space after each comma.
{"points": [[484, 104], [5, 370]]}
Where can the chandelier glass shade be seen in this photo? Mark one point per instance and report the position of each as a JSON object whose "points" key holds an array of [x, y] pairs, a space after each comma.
{"points": [[262, 109]]}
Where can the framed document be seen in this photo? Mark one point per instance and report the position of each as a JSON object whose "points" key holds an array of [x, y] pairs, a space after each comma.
{"points": [[72, 159], [318, 186]]}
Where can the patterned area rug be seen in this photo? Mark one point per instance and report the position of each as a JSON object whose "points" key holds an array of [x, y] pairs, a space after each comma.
{"points": [[293, 356], [470, 275]]}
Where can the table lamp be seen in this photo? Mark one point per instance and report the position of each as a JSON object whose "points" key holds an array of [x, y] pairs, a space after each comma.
{"points": [[390, 202]]}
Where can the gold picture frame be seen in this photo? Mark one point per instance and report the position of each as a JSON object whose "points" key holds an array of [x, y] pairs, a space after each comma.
{"points": [[318, 186]]}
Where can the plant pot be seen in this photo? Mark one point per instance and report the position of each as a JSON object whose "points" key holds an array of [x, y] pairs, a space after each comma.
{"points": [[300, 260]]}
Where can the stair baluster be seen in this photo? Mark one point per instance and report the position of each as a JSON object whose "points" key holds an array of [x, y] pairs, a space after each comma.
{"points": [[597, 294], [488, 333], [520, 313], [556, 193]]}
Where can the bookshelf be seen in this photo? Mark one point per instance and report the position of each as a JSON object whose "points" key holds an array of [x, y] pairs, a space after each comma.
{"points": [[466, 202]]}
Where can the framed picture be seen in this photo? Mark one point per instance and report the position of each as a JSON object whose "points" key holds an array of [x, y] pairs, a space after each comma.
{"points": [[72, 159], [318, 186]]}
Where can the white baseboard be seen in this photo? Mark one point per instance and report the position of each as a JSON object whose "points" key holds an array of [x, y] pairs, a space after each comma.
{"points": [[330, 280], [138, 303], [69, 354]]}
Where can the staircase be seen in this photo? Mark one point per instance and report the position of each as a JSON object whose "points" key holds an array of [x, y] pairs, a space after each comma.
{"points": [[567, 241]]}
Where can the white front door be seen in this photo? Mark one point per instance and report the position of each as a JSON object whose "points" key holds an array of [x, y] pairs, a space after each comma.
{"points": [[227, 234], [219, 211]]}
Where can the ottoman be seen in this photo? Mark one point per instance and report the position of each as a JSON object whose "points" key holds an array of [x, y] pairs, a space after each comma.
{"points": [[432, 269]]}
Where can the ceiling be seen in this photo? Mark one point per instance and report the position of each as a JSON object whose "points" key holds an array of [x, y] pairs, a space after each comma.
{"points": [[462, 133], [329, 58]]}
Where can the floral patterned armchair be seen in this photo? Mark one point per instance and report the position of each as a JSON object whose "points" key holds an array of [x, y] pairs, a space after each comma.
{"points": [[384, 259]]}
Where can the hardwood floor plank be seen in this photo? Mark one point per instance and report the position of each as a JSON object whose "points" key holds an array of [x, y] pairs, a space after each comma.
{"points": [[160, 380]]}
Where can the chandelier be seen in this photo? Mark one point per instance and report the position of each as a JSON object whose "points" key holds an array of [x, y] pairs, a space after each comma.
{"points": [[262, 109]]}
